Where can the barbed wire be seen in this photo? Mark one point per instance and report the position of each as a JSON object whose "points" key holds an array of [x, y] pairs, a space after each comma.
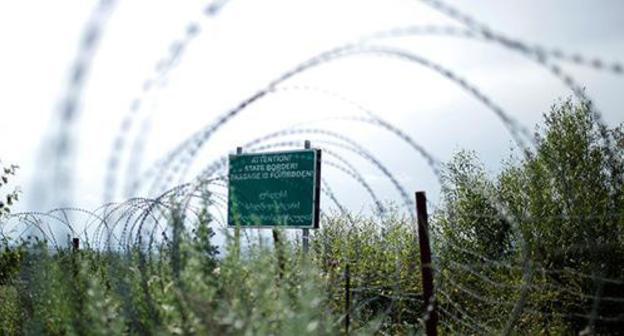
{"points": [[134, 225]]}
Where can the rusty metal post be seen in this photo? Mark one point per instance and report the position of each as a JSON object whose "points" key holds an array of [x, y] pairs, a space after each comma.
{"points": [[431, 315]]}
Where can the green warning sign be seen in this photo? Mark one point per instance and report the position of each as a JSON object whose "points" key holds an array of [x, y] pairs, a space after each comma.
{"points": [[274, 189]]}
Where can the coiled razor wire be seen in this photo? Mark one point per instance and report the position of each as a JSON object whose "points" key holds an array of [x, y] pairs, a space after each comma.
{"points": [[127, 222]]}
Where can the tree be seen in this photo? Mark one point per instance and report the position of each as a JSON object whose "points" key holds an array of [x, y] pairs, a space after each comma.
{"points": [[564, 199], [10, 258]]}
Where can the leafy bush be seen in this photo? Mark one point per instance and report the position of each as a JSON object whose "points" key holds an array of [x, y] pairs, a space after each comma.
{"points": [[536, 249], [563, 217]]}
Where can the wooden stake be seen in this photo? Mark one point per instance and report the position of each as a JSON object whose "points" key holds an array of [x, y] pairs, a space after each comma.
{"points": [[431, 315]]}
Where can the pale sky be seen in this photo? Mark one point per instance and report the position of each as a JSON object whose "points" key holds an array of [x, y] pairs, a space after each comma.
{"points": [[251, 43]]}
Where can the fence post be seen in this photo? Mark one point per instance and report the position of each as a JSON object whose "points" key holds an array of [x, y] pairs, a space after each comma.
{"points": [[431, 315], [305, 235], [347, 275], [239, 151]]}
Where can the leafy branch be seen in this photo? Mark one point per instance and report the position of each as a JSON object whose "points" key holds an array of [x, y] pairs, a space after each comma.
{"points": [[7, 200]]}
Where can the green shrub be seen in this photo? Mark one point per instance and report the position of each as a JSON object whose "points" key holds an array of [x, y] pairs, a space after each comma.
{"points": [[563, 218]]}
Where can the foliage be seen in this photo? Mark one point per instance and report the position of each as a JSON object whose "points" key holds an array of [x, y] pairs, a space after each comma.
{"points": [[7, 200], [182, 287], [11, 257], [558, 209], [381, 258], [536, 249]]}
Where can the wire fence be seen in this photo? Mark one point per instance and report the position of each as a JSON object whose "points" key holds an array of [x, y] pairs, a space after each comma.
{"points": [[536, 251]]}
